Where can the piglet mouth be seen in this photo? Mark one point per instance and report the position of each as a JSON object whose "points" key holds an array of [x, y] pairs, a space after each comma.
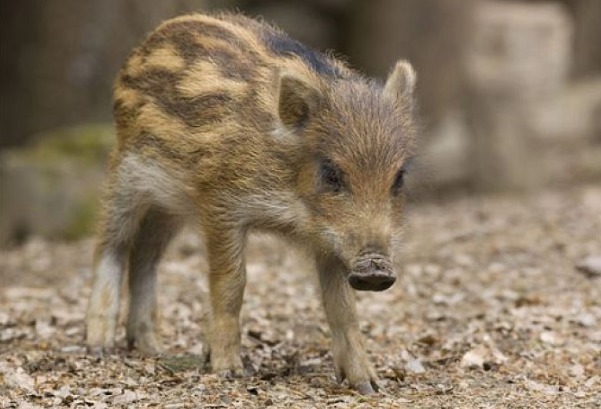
{"points": [[372, 272]]}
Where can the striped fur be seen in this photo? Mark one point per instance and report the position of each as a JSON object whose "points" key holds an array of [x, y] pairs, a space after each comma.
{"points": [[227, 121]]}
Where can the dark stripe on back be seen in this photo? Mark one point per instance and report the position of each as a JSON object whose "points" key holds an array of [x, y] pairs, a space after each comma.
{"points": [[182, 32], [147, 140], [194, 111], [123, 113], [236, 62], [282, 45]]}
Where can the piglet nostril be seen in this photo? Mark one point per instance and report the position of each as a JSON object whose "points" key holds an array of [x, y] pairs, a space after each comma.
{"points": [[379, 263]]}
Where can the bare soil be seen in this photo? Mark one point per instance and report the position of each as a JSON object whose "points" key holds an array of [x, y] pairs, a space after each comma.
{"points": [[489, 311]]}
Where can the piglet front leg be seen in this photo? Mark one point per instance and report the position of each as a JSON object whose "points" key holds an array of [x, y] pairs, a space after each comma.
{"points": [[348, 350], [227, 279]]}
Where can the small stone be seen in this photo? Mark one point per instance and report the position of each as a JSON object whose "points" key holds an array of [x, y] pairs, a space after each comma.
{"points": [[540, 387], [63, 392], [126, 397], [595, 336], [463, 260], [44, 329], [7, 334], [586, 320], [71, 349], [4, 319], [17, 379], [175, 405], [592, 381], [551, 338], [590, 266], [577, 371], [474, 358], [26, 405], [442, 299], [415, 366]]}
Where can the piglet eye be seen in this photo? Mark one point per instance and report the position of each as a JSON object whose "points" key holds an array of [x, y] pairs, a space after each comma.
{"points": [[399, 181], [330, 176]]}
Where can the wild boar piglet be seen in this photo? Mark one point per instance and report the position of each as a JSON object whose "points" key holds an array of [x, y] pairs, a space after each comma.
{"points": [[228, 122]]}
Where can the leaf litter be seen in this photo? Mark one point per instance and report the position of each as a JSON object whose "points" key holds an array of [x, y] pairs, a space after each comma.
{"points": [[498, 304]]}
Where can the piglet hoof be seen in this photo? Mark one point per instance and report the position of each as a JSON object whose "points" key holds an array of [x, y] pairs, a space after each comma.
{"points": [[231, 374], [98, 351], [340, 375], [367, 387], [145, 346]]}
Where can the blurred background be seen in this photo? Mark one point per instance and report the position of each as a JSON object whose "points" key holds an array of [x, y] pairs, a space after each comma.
{"points": [[509, 91]]}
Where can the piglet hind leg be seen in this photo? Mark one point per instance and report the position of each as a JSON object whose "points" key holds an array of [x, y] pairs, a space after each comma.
{"points": [[348, 351], [103, 306], [227, 279], [155, 232], [122, 213]]}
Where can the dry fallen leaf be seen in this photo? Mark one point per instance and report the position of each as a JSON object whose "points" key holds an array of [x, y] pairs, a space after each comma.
{"points": [[17, 378], [541, 387]]}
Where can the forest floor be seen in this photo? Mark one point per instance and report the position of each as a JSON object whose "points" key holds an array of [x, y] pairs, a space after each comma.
{"points": [[493, 309]]}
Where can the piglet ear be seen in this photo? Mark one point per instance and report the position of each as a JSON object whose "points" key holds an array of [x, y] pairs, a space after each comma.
{"points": [[400, 84], [298, 101]]}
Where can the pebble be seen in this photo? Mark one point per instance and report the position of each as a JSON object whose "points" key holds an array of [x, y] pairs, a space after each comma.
{"points": [[590, 266], [474, 358], [551, 338], [586, 320], [415, 366]]}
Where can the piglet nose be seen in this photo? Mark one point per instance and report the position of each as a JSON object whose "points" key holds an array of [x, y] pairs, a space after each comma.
{"points": [[376, 281], [372, 272]]}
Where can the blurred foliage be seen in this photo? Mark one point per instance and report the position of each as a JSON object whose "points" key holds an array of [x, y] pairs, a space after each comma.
{"points": [[83, 222], [52, 187], [89, 143], [482, 127]]}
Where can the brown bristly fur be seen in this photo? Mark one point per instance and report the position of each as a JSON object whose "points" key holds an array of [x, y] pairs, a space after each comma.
{"points": [[226, 121]]}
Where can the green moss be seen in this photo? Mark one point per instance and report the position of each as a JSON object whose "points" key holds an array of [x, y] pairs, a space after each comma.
{"points": [[180, 363], [83, 222], [85, 143], [60, 175]]}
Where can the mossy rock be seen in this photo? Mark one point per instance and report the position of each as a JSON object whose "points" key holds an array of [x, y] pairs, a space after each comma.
{"points": [[86, 143], [52, 188], [83, 220]]}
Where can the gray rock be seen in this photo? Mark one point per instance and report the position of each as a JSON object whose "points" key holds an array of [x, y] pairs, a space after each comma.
{"points": [[52, 188], [519, 57]]}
